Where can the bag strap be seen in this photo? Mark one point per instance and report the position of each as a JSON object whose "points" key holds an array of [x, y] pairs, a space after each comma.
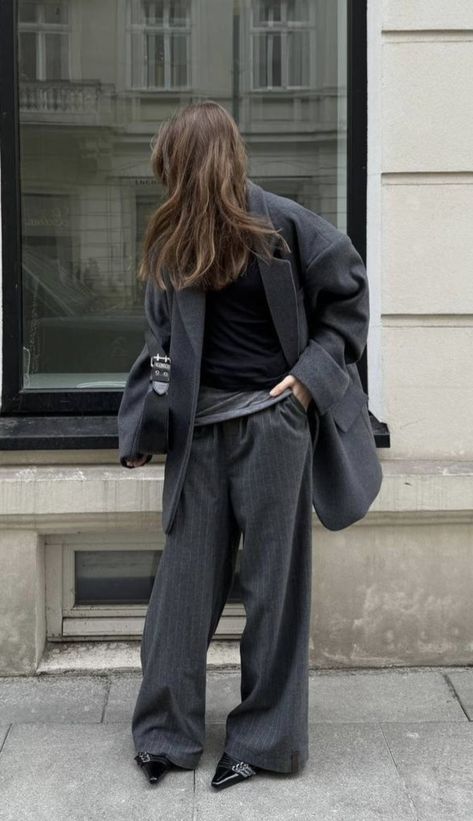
{"points": [[153, 345]]}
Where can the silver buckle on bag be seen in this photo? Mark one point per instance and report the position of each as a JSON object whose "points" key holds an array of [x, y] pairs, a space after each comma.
{"points": [[159, 358], [160, 372]]}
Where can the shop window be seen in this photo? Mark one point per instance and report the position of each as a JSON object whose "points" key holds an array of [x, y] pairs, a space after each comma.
{"points": [[77, 184]]}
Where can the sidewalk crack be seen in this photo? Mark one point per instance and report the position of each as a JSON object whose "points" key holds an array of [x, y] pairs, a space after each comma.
{"points": [[454, 693], [10, 726], [108, 687], [400, 776]]}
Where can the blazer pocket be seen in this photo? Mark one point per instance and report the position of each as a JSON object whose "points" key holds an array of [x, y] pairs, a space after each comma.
{"points": [[346, 410]]}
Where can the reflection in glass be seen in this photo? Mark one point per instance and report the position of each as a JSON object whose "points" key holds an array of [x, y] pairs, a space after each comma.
{"points": [[43, 40], [124, 577], [95, 81], [160, 43], [114, 576]]}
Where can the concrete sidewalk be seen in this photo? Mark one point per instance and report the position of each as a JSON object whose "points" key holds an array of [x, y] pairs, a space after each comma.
{"points": [[385, 744]]}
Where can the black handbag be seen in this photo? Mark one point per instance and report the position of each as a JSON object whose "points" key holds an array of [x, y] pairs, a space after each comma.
{"points": [[153, 436]]}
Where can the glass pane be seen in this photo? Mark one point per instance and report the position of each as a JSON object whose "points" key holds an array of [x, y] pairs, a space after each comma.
{"points": [[56, 56], [274, 48], [298, 56], [124, 577], [55, 12], [154, 61], [27, 11], [153, 12], [178, 60], [137, 42], [27, 56], [114, 576], [297, 11], [178, 13], [86, 119], [260, 68], [268, 63]]}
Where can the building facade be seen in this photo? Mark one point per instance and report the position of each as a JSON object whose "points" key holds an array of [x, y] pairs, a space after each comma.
{"points": [[360, 111]]}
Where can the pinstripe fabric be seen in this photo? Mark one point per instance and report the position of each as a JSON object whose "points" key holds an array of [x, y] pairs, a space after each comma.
{"points": [[251, 474]]}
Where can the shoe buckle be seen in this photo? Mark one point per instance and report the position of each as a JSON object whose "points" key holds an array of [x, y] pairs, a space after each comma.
{"points": [[243, 769], [143, 757]]}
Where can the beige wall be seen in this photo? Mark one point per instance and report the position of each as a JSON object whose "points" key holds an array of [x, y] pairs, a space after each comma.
{"points": [[423, 94]]}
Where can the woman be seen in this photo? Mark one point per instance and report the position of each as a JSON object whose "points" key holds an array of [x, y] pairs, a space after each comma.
{"points": [[247, 391]]}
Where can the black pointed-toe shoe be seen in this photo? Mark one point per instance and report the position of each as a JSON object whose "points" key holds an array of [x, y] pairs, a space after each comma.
{"points": [[154, 765], [230, 771]]}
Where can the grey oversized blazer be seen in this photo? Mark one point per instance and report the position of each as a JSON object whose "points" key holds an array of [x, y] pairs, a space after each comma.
{"points": [[319, 301]]}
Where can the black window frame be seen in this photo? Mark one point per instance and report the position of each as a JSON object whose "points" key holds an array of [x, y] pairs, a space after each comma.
{"points": [[41, 419]]}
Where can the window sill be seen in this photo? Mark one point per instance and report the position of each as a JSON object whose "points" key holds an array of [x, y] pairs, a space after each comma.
{"points": [[90, 432], [58, 432]]}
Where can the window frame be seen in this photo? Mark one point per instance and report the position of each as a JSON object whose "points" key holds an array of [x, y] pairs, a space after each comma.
{"points": [[284, 28], [66, 621], [167, 31], [86, 419], [41, 29]]}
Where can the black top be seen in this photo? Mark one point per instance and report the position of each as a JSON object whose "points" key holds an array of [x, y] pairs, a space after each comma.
{"points": [[241, 349]]}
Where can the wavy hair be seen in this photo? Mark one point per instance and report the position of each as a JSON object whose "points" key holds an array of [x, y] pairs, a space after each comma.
{"points": [[203, 234]]}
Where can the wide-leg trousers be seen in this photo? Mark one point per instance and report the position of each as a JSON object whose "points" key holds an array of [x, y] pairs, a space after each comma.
{"points": [[247, 476]]}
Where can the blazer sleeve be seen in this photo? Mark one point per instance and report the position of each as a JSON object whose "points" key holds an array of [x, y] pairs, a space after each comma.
{"points": [[157, 318], [337, 298]]}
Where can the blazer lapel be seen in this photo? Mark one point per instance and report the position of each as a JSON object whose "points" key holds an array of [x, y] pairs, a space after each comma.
{"points": [[279, 288]]}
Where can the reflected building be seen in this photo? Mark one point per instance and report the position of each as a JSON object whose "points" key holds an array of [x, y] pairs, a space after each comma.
{"points": [[95, 80]]}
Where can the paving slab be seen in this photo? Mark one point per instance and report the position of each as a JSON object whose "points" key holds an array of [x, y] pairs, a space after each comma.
{"points": [[350, 776], [84, 773], [383, 696], [49, 698], [462, 682], [223, 693], [121, 698], [390, 744], [436, 764]]}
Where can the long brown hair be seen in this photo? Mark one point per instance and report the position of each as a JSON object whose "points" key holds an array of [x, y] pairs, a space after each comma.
{"points": [[203, 233]]}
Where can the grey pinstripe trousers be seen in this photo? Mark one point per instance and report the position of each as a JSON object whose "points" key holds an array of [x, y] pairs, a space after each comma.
{"points": [[250, 474]]}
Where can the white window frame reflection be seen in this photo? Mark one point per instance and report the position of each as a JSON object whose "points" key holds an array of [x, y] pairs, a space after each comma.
{"points": [[138, 31], [43, 29], [266, 26]]}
